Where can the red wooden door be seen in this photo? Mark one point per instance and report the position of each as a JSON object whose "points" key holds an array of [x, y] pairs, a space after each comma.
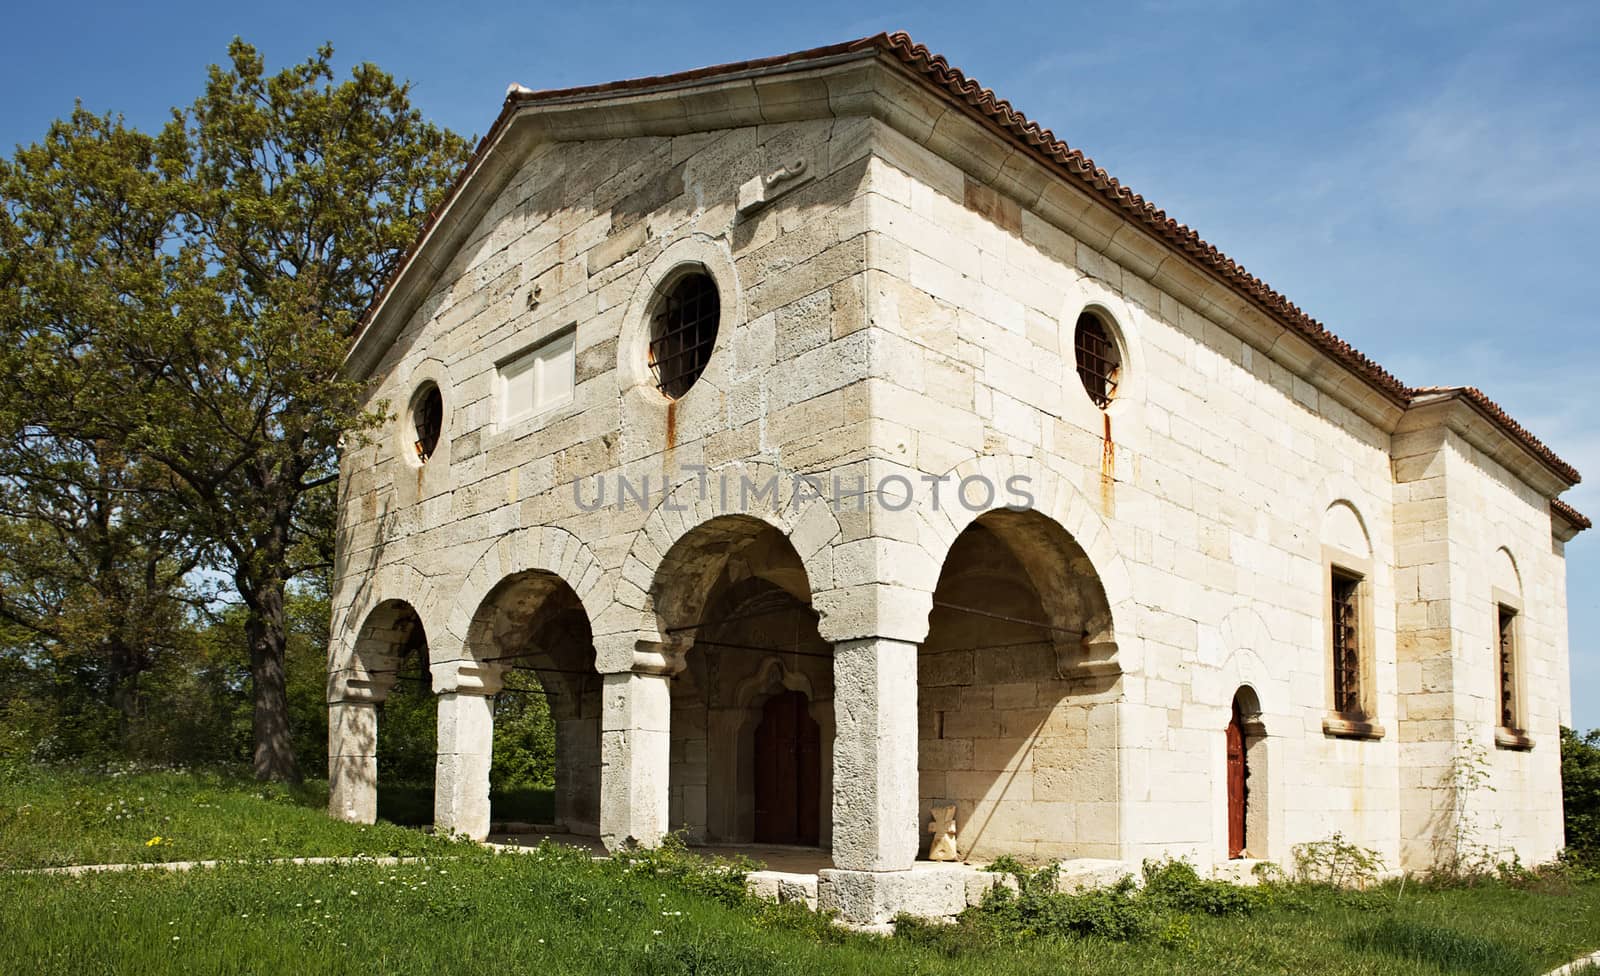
{"points": [[788, 758], [1237, 790]]}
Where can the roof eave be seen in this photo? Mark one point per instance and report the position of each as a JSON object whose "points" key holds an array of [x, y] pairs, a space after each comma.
{"points": [[1480, 424]]}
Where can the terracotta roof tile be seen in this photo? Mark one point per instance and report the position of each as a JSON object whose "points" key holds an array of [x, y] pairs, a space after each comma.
{"points": [[998, 113], [1571, 514], [1497, 413]]}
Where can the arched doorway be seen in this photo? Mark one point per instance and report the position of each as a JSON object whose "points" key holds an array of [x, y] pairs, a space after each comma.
{"points": [[1016, 695], [752, 709], [545, 762], [386, 688]]}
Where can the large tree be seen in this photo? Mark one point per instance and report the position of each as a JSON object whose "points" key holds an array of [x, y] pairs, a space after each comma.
{"points": [[284, 202], [94, 560]]}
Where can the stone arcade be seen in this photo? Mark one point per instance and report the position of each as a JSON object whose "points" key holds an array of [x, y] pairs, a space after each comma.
{"points": [[1200, 580]]}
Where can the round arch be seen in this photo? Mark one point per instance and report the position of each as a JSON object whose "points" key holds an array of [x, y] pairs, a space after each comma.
{"points": [[536, 549], [739, 501], [1041, 490], [396, 583]]}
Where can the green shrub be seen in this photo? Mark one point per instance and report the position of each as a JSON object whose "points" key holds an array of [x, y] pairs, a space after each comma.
{"points": [[1580, 794], [1336, 863], [722, 879], [1175, 885], [1037, 908]]}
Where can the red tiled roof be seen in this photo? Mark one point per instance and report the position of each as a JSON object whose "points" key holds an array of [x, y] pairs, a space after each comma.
{"points": [[1571, 514], [1496, 413], [997, 113]]}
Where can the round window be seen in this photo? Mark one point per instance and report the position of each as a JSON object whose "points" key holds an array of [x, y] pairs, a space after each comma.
{"points": [[683, 332], [1099, 359], [427, 419]]}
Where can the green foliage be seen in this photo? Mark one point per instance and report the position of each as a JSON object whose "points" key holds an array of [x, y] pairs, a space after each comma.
{"points": [[722, 879], [176, 312], [1467, 858], [1336, 863], [1580, 794], [524, 736], [1175, 886], [1036, 907], [555, 909]]}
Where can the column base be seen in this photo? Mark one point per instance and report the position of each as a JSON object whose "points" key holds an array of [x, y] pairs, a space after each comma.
{"points": [[867, 899], [353, 788]]}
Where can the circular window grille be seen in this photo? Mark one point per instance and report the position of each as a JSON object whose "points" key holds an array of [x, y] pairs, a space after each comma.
{"points": [[1099, 360], [683, 332], [427, 419]]}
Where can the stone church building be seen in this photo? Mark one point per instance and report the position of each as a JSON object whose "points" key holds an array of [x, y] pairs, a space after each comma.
{"points": [[835, 444]]}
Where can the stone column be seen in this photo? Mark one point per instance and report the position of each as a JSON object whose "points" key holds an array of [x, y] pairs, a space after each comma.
{"points": [[353, 760], [466, 744], [353, 696], [875, 789], [635, 746]]}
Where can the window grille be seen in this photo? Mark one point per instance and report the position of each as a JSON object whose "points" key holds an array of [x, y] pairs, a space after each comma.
{"points": [[683, 333], [428, 419], [1346, 645], [1099, 363], [1508, 665]]}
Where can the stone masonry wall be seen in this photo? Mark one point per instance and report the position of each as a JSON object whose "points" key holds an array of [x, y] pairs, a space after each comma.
{"points": [[1211, 472], [891, 313]]}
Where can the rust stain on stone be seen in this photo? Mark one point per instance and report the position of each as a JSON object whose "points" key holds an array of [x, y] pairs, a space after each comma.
{"points": [[1108, 471], [672, 429]]}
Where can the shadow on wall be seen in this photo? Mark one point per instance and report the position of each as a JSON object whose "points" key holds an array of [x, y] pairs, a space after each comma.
{"points": [[1015, 729]]}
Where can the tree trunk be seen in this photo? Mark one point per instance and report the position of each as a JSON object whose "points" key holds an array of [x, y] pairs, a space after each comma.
{"points": [[124, 673], [266, 629]]}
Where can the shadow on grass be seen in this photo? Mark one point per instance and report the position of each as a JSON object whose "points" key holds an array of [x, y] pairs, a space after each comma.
{"points": [[1449, 950], [412, 805]]}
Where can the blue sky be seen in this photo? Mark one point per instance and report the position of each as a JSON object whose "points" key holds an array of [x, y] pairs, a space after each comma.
{"points": [[1425, 179]]}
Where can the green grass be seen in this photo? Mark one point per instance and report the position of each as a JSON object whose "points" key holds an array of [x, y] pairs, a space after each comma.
{"points": [[412, 805], [557, 911], [54, 817]]}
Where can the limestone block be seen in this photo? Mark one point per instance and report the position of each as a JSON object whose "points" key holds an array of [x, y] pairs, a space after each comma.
{"points": [[980, 883], [875, 897], [353, 788], [1089, 873], [943, 829], [461, 776]]}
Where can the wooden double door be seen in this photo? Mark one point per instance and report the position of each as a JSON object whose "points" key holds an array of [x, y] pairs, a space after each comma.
{"points": [[788, 772]]}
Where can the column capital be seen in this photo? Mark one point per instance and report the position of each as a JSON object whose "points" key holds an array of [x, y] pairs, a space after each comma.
{"points": [[873, 611], [641, 652], [661, 657], [467, 677], [356, 683]]}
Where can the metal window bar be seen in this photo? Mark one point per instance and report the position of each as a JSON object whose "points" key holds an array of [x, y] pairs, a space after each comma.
{"points": [[1346, 646], [683, 334], [429, 420], [1097, 361], [1508, 698]]}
